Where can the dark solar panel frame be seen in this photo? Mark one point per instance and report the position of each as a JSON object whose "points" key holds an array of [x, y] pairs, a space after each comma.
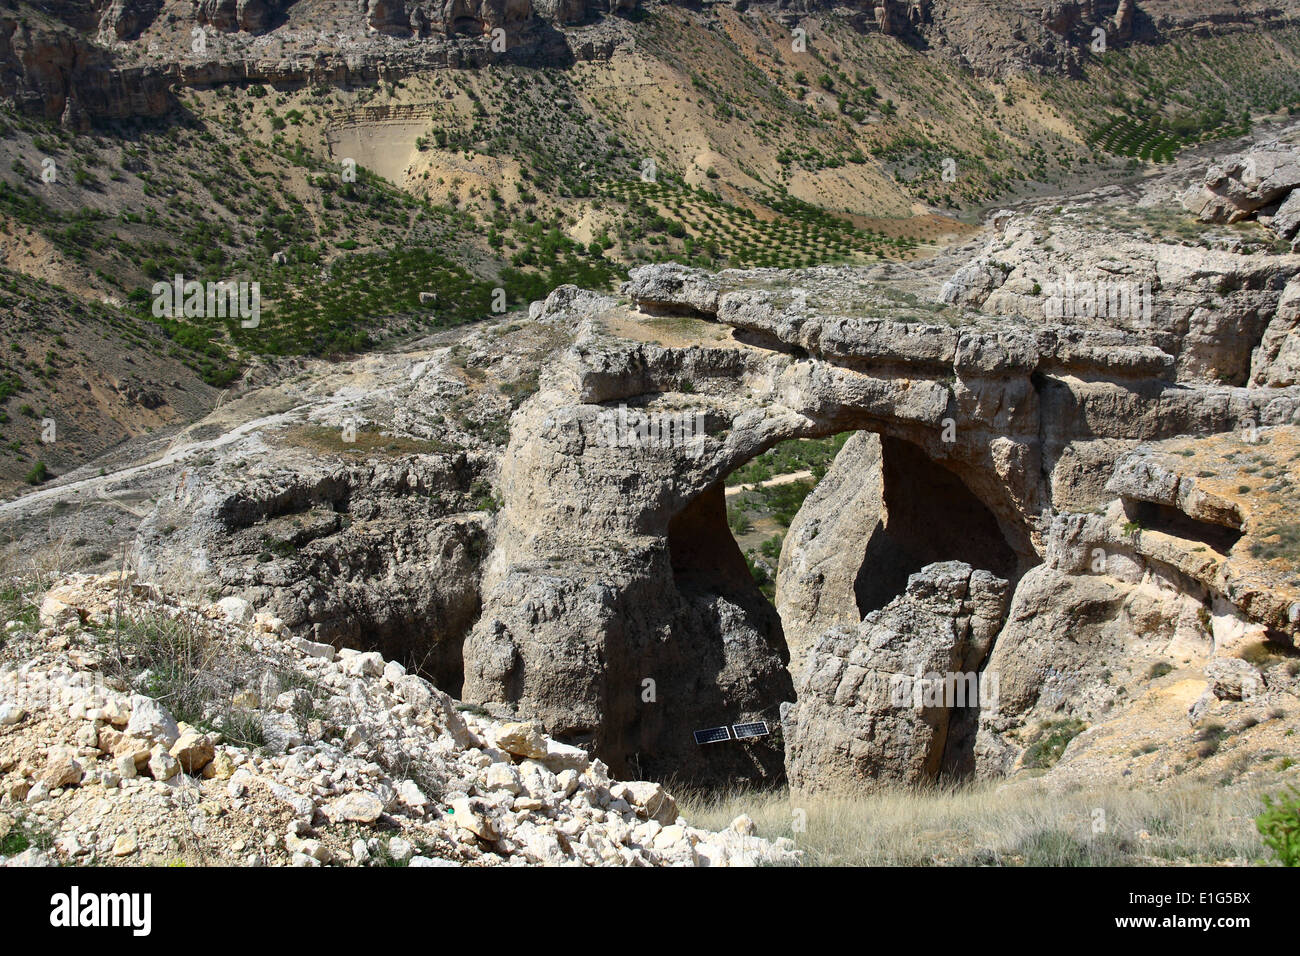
{"points": [[713, 735], [753, 728]]}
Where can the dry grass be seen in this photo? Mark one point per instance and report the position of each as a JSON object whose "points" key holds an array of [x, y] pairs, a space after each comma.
{"points": [[988, 824]]}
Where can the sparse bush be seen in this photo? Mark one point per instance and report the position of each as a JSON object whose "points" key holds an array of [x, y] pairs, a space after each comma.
{"points": [[1050, 742], [21, 835], [1279, 826], [1209, 738], [173, 656]]}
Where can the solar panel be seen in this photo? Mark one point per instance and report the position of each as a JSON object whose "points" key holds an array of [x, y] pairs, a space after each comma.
{"points": [[712, 735], [754, 728]]}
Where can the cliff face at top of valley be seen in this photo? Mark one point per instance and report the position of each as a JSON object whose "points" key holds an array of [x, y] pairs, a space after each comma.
{"points": [[78, 60]]}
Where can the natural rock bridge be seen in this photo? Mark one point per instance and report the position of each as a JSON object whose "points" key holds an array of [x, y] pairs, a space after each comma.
{"points": [[616, 605], [1057, 504]]}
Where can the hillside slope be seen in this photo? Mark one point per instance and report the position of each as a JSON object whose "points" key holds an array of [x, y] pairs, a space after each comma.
{"points": [[379, 175]]}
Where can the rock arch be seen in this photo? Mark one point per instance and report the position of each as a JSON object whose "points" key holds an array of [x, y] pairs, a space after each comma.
{"points": [[583, 600]]}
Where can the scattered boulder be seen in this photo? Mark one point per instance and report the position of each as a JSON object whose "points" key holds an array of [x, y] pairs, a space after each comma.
{"points": [[162, 765], [125, 845], [356, 807], [62, 769], [357, 664], [150, 720], [1258, 183], [468, 816], [649, 797], [522, 740], [325, 652], [235, 610], [194, 751], [1234, 679]]}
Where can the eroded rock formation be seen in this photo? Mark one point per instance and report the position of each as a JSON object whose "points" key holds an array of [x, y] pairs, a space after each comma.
{"points": [[115, 60], [249, 16], [1091, 432], [989, 425], [118, 59], [382, 557], [1260, 184], [126, 19], [882, 513], [893, 700], [452, 17]]}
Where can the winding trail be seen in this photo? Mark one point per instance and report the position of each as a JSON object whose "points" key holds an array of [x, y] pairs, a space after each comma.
{"points": [[786, 479], [176, 454]]}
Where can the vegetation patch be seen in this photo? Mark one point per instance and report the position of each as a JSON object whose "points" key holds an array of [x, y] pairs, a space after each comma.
{"points": [[1049, 743], [1279, 826]]}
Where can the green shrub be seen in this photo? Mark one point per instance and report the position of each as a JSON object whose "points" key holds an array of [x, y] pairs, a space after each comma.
{"points": [[1279, 826], [1050, 742], [21, 835]]}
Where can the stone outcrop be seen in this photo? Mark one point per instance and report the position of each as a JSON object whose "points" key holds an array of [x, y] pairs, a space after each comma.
{"points": [[467, 17], [127, 19], [81, 64], [568, 11], [599, 592], [1135, 307], [882, 512], [900, 17], [892, 701], [361, 517], [239, 16], [1188, 572], [475, 17], [248, 16], [1215, 524], [120, 58], [1122, 24], [1260, 183], [618, 609], [818, 576], [1276, 360], [1062, 36], [59, 74], [1058, 420], [381, 557], [388, 17]]}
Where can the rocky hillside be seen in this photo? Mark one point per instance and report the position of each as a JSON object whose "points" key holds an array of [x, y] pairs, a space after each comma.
{"points": [[316, 758], [1072, 444], [78, 60], [727, 396], [387, 180]]}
